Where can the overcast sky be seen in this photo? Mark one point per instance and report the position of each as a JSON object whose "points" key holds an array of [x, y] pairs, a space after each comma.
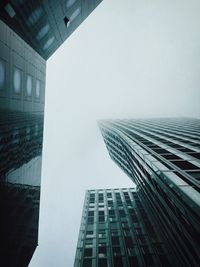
{"points": [[129, 59]]}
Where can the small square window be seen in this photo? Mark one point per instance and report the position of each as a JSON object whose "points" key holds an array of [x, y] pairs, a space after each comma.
{"points": [[88, 252]]}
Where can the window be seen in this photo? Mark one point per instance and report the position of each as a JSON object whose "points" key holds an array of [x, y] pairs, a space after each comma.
{"points": [[9, 9], [17, 80], [88, 252], [128, 242], [42, 32], [91, 213], [110, 203], [116, 251], [132, 251], [102, 249], [89, 241], [113, 225], [87, 263], [101, 218], [122, 213], [102, 241], [48, 43], [133, 261], [90, 220], [29, 85], [34, 16], [115, 240], [75, 14], [2, 74], [70, 3], [89, 234], [37, 88], [118, 262], [148, 259], [102, 263]]}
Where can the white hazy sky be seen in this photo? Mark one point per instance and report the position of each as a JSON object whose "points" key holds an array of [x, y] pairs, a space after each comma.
{"points": [[129, 59]]}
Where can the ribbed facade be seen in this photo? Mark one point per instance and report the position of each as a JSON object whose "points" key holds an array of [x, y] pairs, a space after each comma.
{"points": [[162, 157], [116, 231]]}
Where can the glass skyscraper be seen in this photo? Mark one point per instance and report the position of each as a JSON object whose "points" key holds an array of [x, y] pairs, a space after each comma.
{"points": [[30, 32], [46, 24], [162, 157], [116, 231]]}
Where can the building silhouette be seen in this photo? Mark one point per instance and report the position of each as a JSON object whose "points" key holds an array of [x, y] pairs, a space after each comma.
{"points": [[30, 32], [162, 157], [116, 231]]}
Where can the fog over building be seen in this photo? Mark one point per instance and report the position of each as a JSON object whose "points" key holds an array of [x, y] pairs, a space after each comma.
{"points": [[128, 59], [162, 157]]}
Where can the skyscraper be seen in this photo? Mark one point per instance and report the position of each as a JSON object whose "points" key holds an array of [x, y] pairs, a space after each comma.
{"points": [[162, 157], [116, 231], [30, 32], [22, 85], [46, 24]]}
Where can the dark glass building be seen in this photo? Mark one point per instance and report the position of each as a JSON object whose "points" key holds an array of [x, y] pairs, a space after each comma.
{"points": [[45, 24], [116, 231], [22, 86], [30, 31], [162, 157]]}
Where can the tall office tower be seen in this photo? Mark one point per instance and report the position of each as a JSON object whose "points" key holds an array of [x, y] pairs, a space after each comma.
{"points": [[22, 84], [162, 157], [46, 24], [116, 231], [30, 31]]}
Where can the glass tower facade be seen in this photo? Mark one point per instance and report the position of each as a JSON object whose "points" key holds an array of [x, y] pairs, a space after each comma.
{"points": [[45, 24], [22, 90], [116, 231], [162, 157]]}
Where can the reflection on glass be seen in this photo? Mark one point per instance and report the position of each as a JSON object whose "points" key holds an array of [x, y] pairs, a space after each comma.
{"points": [[69, 3], [20, 175], [2, 74], [29, 85], [37, 88], [17, 80], [43, 32], [49, 43], [34, 17], [75, 14]]}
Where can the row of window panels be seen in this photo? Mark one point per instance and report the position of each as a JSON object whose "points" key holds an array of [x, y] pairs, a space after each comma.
{"points": [[109, 195], [171, 133], [158, 149], [101, 198], [120, 261], [113, 213], [31, 84], [145, 130], [152, 145], [188, 127], [189, 168], [130, 235], [102, 233]]}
